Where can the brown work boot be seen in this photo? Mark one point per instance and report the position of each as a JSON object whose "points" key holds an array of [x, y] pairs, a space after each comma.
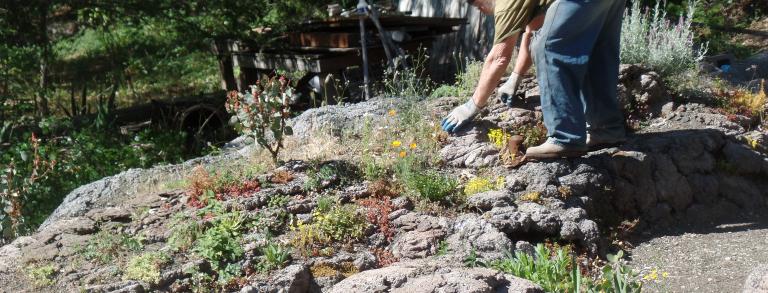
{"points": [[553, 150]]}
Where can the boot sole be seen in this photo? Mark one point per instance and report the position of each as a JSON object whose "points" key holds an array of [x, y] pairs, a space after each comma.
{"points": [[568, 154]]}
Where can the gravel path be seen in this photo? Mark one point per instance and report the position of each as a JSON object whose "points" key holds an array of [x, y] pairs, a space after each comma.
{"points": [[701, 259]]}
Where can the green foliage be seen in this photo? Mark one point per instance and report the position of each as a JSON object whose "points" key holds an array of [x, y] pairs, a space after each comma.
{"points": [[41, 276], [263, 112], [409, 78], [425, 184], [467, 78], [326, 175], [552, 273], [617, 277], [557, 271], [106, 246], [340, 223], [221, 243], [146, 267], [184, 231], [274, 257], [55, 163], [324, 204], [650, 39]]}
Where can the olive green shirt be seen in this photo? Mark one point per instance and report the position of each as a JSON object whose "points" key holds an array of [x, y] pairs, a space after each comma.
{"points": [[511, 16]]}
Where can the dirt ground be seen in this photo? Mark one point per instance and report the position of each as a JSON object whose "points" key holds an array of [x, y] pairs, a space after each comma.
{"points": [[703, 257]]}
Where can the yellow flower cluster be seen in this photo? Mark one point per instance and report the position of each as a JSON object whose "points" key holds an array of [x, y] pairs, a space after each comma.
{"points": [[498, 137], [654, 275], [403, 153], [480, 184]]}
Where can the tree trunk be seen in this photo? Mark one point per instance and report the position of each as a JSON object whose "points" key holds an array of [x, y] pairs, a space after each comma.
{"points": [[45, 56]]}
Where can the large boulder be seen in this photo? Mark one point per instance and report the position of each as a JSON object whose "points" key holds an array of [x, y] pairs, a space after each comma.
{"points": [[433, 275]]}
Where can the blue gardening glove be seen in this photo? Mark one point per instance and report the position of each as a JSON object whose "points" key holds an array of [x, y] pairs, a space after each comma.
{"points": [[508, 90], [459, 116]]}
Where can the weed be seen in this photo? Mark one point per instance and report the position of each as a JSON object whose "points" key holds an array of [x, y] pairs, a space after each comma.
{"points": [[146, 267], [41, 276], [278, 201], [325, 203], [442, 248], [411, 82], [473, 260]]}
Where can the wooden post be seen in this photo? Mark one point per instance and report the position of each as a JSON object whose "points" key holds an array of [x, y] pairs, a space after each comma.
{"points": [[220, 48]]}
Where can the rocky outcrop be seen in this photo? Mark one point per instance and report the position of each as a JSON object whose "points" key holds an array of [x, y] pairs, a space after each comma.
{"points": [[433, 276]]}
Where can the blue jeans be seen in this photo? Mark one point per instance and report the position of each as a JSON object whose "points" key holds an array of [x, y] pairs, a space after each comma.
{"points": [[576, 53]]}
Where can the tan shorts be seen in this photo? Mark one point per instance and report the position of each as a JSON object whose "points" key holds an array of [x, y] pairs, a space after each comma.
{"points": [[511, 16]]}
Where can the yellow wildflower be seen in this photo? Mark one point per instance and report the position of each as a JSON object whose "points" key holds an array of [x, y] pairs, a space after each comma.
{"points": [[413, 146], [396, 144], [403, 154], [392, 113], [665, 274]]}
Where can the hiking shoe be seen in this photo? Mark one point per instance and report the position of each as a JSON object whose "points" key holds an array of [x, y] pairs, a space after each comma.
{"points": [[552, 150], [595, 141]]}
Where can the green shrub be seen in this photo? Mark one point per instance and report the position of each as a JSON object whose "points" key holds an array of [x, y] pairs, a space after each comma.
{"points": [[430, 185], [652, 40], [263, 113], [146, 267]]}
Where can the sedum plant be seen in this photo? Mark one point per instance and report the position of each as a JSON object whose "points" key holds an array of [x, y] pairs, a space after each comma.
{"points": [[263, 112]]}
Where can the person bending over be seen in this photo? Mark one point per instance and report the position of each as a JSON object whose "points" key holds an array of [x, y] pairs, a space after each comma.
{"points": [[576, 53]]}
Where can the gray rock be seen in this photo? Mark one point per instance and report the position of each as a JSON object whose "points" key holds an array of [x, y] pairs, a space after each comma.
{"points": [[119, 287], [421, 237], [433, 276], [336, 119], [473, 232], [292, 279], [114, 214], [742, 159], [757, 282], [487, 200]]}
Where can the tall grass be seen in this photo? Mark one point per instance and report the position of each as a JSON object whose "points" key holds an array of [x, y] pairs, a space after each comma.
{"points": [[649, 38]]}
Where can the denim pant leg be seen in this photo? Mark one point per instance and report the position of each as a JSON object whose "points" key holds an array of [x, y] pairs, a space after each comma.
{"points": [[562, 51], [602, 111]]}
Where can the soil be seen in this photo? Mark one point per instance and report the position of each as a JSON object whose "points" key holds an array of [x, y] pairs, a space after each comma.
{"points": [[703, 257]]}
